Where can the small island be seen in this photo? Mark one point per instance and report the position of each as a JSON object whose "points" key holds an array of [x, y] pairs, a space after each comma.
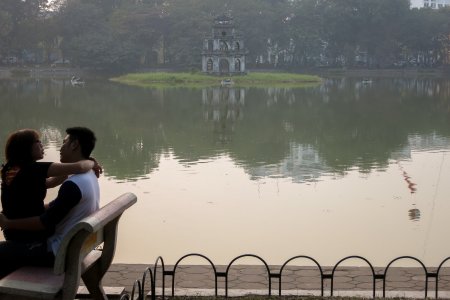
{"points": [[199, 80], [223, 64]]}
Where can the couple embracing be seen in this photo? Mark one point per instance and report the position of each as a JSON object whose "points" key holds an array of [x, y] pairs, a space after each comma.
{"points": [[32, 229]]}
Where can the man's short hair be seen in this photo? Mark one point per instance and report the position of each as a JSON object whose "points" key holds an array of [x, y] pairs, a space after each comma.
{"points": [[85, 137]]}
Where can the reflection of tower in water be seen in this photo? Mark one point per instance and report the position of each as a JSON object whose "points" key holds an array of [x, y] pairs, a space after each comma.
{"points": [[223, 107]]}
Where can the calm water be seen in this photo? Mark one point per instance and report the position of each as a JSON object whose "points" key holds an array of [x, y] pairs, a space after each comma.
{"points": [[340, 169]]}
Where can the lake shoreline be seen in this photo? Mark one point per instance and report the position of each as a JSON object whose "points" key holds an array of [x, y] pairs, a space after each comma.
{"points": [[195, 79], [406, 73], [7, 72]]}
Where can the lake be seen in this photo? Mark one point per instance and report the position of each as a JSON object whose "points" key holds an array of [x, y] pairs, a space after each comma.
{"points": [[344, 168]]}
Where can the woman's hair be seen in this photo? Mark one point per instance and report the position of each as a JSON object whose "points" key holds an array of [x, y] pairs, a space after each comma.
{"points": [[18, 149]]}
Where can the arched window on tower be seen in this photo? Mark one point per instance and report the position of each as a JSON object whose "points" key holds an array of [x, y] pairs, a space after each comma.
{"points": [[237, 65], [237, 46], [224, 66], [209, 65], [223, 46]]}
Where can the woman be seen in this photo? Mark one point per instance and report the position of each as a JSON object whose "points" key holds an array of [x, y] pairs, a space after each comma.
{"points": [[25, 181]]}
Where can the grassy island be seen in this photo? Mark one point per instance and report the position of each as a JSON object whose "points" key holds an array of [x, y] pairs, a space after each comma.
{"points": [[257, 79]]}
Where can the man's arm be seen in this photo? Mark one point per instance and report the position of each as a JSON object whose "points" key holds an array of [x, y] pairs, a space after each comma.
{"points": [[29, 224], [69, 195], [52, 182]]}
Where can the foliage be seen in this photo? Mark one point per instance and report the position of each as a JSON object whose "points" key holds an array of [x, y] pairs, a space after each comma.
{"points": [[125, 34], [18, 24], [100, 50]]}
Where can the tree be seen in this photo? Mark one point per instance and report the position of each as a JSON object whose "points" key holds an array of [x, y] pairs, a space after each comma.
{"points": [[18, 21], [427, 36], [305, 27], [261, 21], [286, 33], [187, 23], [143, 25], [381, 23]]}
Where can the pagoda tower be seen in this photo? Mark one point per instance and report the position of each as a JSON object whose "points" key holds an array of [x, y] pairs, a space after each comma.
{"points": [[223, 52]]}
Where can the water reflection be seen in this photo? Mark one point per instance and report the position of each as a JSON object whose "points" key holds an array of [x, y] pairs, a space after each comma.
{"points": [[223, 107], [297, 133], [341, 155]]}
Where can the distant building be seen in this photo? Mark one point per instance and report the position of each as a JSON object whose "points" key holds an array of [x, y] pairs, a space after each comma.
{"points": [[223, 52], [435, 4]]}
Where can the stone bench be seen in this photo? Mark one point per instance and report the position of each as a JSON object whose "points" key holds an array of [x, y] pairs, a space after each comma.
{"points": [[79, 257]]}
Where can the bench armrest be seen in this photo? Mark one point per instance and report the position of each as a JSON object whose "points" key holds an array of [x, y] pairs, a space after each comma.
{"points": [[91, 228]]}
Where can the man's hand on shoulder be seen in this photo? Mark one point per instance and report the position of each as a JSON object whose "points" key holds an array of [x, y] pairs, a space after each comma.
{"points": [[97, 168]]}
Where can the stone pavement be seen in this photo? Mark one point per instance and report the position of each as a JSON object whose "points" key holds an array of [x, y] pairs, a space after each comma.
{"points": [[296, 280]]}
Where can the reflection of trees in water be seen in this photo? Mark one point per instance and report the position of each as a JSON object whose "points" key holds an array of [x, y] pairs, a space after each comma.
{"points": [[303, 163], [129, 138], [273, 94], [223, 107], [51, 135], [259, 128], [404, 87], [429, 87], [345, 129]]}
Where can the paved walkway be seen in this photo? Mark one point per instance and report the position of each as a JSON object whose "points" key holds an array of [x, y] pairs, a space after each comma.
{"points": [[242, 280]]}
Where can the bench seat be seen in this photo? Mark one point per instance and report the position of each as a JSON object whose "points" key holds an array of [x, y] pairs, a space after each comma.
{"points": [[77, 258], [32, 281]]}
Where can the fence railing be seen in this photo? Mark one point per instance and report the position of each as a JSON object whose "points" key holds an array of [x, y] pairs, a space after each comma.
{"points": [[149, 275]]}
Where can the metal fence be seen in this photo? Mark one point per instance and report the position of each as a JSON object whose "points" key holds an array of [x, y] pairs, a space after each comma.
{"points": [[149, 275]]}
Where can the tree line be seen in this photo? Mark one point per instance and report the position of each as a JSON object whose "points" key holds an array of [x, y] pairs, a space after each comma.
{"points": [[288, 34]]}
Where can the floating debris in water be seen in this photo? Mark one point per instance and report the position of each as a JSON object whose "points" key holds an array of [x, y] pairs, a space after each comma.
{"points": [[411, 185], [414, 214]]}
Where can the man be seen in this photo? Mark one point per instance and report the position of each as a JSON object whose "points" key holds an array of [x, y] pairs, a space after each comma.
{"points": [[77, 198]]}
